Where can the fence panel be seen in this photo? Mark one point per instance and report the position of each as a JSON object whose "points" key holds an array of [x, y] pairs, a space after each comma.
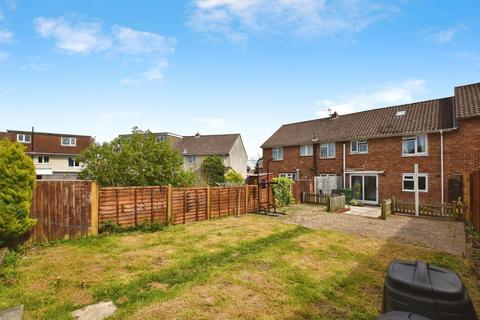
{"points": [[130, 206], [447, 211], [475, 199], [189, 204], [62, 210], [314, 198]]}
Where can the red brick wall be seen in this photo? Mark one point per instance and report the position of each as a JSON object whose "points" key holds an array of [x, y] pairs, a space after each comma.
{"points": [[461, 150]]}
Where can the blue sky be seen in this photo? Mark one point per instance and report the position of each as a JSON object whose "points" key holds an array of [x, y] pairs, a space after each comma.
{"points": [[218, 66]]}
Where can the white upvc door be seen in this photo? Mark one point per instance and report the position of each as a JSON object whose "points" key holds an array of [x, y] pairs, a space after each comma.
{"points": [[368, 186]]}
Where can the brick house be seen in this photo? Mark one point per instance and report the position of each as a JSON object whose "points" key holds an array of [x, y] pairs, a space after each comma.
{"points": [[377, 149], [52, 153]]}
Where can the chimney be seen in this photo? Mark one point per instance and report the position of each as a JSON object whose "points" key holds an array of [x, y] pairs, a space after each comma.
{"points": [[197, 135], [334, 115]]}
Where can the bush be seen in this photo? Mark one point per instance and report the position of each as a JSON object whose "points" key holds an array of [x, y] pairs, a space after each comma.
{"points": [[347, 192], [136, 160], [109, 227], [213, 170], [282, 192], [233, 177], [17, 182]]}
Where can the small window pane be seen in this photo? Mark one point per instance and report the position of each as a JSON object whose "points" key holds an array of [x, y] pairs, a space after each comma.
{"points": [[40, 159], [421, 144], [331, 150], [408, 185], [409, 146], [306, 150], [354, 146], [362, 147], [422, 183]]}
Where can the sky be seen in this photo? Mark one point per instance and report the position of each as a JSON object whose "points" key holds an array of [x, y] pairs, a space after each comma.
{"points": [[100, 68]]}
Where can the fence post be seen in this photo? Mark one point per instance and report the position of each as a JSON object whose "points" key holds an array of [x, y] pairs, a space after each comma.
{"points": [[384, 210], [246, 198], [209, 203], [303, 197], [169, 205], [94, 194], [454, 210], [329, 205], [393, 205]]}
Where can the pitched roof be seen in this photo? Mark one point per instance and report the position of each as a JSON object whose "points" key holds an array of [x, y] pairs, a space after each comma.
{"points": [[425, 116], [207, 145], [467, 101]]}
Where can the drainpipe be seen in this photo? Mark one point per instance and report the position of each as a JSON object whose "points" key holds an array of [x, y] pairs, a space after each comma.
{"points": [[344, 166], [441, 167]]}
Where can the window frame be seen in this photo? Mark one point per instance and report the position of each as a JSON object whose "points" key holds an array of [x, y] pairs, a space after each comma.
{"points": [[358, 142], [416, 153], [76, 163], [43, 157], [23, 140], [290, 175], [420, 175], [70, 140], [328, 145], [309, 148], [277, 158], [190, 158]]}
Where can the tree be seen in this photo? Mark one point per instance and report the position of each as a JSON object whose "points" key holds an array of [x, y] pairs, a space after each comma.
{"points": [[17, 182], [137, 160], [213, 170], [233, 177]]}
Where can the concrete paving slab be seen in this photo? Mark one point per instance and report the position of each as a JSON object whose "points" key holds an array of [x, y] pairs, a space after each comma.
{"points": [[97, 311], [12, 314]]}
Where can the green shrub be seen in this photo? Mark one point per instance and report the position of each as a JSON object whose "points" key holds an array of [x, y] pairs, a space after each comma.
{"points": [[213, 170], [357, 190], [17, 182], [233, 177], [282, 192], [110, 227], [348, 194]]}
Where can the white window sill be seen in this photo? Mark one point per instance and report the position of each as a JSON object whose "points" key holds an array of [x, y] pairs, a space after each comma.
{"points": [[420, 191], [415, 155], [358, 153], [328, 158], [310, 155], [277, 160]]}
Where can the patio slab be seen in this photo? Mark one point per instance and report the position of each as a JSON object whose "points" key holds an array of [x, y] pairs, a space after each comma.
{"points": [[366, 212]]}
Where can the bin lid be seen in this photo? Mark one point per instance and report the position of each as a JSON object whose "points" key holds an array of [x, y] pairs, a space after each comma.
{"points": [[398, 315], [425, 279]]}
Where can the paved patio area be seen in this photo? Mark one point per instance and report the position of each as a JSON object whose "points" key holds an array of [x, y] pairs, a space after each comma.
{"points": [[441, 235], [366, 212]]}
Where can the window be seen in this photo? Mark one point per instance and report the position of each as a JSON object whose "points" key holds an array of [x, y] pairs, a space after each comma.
{"points": [[72, 162], [277, 154], [359, 146], [190, 159], [24, 138], [409, 181], [306, 151], [69, 142], [162, 138], [289, 175], [327, 150], [416, 145], [43, 159]]}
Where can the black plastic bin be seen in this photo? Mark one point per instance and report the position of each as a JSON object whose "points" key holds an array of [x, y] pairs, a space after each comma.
{"points": [[399, 315], [426, 290]]}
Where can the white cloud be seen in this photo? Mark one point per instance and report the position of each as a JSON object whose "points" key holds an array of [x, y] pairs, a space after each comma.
{"points": [[471, 56], [212, 123], [447, 35], [236, 19], [2, 16], [115, 115], [390, 95], [5, 36], [11, 4], [80, 37]]}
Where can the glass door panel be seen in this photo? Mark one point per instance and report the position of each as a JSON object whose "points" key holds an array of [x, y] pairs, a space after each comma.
{"points": [[370, 188], [357, 180]]}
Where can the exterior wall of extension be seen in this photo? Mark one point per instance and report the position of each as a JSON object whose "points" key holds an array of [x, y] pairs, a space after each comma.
{"points": [[461, 154]]}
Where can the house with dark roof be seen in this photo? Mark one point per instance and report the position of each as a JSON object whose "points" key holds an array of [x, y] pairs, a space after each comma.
{"points": [[376, 150], [229, 147], [54, 154]]}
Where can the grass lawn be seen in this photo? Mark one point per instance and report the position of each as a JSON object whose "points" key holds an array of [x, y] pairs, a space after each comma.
{"points": [[251, 267]]}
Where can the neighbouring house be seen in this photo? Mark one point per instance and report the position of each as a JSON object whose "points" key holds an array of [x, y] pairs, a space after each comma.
{"points": [[53, 154], [167, 137], [229, 147], [376, 150]]}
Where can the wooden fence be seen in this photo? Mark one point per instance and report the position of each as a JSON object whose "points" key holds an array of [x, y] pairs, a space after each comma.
{"points": [[333, 203], [72, 209], [452, 210], [63, 210], [131, 206], [474, 201]]}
